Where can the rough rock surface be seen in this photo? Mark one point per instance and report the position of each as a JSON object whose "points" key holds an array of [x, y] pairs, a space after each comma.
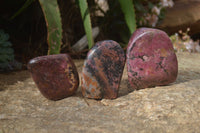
{"points": [[173, 108], [184, 14], [151, 60], [102, 70]]}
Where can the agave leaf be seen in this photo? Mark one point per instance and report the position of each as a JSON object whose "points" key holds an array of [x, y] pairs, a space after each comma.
{"points": [[129, 13], [83, 5], [54, 25]]}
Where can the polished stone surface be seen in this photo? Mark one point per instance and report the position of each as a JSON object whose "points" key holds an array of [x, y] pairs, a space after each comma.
{"points": [[151, 60], [55, 75], [102, 70]]}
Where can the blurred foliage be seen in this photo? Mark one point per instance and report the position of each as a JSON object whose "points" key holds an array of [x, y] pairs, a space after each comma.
{"points": [[6, 51], [150, 12], [27, 30], [115, 23], [127, 8], [27, 20], [183, 42], [7, 61], [53, 21]]}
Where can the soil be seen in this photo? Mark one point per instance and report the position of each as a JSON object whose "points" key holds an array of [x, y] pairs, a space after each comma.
{"points": [[170, 108]]}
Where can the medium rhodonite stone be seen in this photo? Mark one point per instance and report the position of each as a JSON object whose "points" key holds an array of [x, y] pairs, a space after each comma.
{"points": [[151, 60], [102, 70], [55, 75]]}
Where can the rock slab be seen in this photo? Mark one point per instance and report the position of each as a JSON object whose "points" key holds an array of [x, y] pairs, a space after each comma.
{"points": [[102, 70], [55, 75], [165, 109], [151, 60], [184, 14]]}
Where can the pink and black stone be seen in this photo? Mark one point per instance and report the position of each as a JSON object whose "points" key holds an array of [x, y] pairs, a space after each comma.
{"points": [[102, 70], [151, 60], [56, 76]]}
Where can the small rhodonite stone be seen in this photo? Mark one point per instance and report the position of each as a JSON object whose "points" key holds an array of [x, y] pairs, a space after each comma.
{"points": [[102, 70], [55, 75], [151, 60]]}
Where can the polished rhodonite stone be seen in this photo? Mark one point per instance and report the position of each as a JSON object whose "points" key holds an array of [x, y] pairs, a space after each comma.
{"points": [[151, 60], [55, 75], [102, 70]]}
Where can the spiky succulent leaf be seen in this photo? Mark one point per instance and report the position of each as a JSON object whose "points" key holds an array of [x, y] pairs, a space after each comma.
{"points": [[127, 7], [54, 25], [83, 5]]}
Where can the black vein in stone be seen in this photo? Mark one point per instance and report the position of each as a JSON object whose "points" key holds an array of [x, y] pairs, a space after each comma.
{"points": [[161, 66]]}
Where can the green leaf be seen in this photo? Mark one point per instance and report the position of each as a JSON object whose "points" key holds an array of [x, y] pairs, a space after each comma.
{"points": [[83, 5], [26, 4], [129, 14], [54, 25]]}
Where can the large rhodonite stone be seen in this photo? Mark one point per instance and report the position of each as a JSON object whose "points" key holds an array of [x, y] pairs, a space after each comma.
{"points": [[151, 60], [102, 70], [55, 75]]}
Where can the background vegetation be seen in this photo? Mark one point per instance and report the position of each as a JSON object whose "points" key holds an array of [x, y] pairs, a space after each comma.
{"points": [[38, 27]]}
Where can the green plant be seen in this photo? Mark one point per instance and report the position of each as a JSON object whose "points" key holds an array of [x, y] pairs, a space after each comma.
{"points": [[53, 22], [129, 14], [52, 16], [6, 52], [127, 8], [83, 5], [117, 23]]}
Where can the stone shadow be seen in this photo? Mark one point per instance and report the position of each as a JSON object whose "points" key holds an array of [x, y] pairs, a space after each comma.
{"points": [[185, 76], [13, 77], [125, 88]]}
